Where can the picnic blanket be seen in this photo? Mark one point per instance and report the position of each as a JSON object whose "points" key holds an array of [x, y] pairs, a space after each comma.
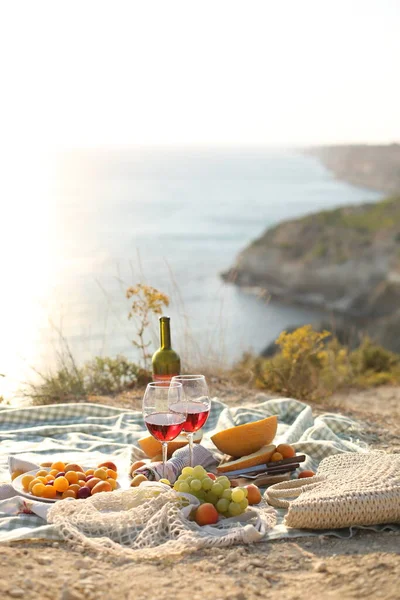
{"points": [[89, 433]]}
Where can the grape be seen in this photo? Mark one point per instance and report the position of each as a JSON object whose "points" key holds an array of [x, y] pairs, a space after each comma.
{"points": [[237, 495], [245, 492], [210, 497], [201, 495], [176, 486], [189, 479], [244, 504], [198, 472], [227, 494], [234, 509], [207, 483], [183, 487], [224, 481], [217, 489], [195, 485], [186, 471], [182, 478], [222, 505]]}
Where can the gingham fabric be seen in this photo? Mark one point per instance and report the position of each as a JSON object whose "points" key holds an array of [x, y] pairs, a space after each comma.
{"points": [[88, 433]]}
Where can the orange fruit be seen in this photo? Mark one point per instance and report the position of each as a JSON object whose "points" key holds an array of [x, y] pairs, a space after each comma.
{"points": [[26, 480], [206, 514], [253, 494], [246, 439], [59, 466], [16, 474], [304, 474], [72, 476], [108, 465], [69, 494], [286, 450], [38, 489], [49, 492], [152, 447], [136, 465], [276, 456], [61, 484]]}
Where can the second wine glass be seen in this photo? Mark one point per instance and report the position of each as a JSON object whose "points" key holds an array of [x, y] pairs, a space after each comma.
{"points": [[195, 404]]}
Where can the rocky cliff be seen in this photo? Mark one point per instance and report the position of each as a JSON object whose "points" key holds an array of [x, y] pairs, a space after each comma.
{"points": [[346, 261], [376, 167]]}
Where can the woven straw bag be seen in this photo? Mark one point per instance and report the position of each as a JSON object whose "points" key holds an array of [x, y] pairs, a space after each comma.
{"points": [[348, 489]]}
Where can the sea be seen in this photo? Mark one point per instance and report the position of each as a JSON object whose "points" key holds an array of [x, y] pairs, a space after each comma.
{"points": [[174, 219]]}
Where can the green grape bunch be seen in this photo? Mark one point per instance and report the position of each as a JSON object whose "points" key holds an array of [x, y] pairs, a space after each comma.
{"points": [[229, 502]]}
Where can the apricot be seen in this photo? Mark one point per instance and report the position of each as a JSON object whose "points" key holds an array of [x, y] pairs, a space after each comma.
{"points": [[73, 467], [112, 482], [46, 464], [276, 456], [26, 480], [286, 450], [253, 494], [136, 465], [16, 474], [101, 473], [72, 476], [49, 492], [75, 487], [89, 472], [206, 514], [61, 484], [137, 480], [49, 478], [81, 475], [54, 472], [92, 482], [59, 466], [38, 489], [304, 474], [108, 465], [102, 486], [42, 473], [32, 483], [69, 494], [112, 474]]}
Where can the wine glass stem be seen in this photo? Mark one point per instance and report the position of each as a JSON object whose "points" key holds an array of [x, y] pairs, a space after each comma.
{"points": [[190, 438], [164, 458]]}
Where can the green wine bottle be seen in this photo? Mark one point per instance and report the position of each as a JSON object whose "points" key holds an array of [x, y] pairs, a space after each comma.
{"points": [[166, 362]]}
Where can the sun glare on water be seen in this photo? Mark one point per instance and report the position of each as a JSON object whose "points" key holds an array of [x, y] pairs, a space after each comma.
{"points": [[27, 263]]}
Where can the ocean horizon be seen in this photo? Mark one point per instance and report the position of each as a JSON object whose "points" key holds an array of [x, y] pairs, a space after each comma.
{"points": [[174, 219]]}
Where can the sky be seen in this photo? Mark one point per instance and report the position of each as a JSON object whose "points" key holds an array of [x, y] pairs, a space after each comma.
{"points": [[269, 72]]}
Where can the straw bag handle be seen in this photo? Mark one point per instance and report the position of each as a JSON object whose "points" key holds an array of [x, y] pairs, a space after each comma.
{"points": [[289, 489]]}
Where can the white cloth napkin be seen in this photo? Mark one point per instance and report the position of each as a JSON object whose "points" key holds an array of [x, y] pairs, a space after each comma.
{"points": [[180, 459], [11, 502]]}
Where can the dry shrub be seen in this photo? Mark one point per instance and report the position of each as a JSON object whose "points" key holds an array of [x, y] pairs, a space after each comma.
{"points": [[311, 365]]}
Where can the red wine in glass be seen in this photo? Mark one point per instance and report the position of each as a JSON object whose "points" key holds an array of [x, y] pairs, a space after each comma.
{"points": [[165, 426], [196, 414]]}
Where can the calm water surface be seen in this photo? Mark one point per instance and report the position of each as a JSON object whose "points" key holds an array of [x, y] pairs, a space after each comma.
{"points": [[175, 219]]}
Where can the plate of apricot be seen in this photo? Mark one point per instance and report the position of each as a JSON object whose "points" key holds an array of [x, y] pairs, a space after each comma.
{"points": [[59, 480]]}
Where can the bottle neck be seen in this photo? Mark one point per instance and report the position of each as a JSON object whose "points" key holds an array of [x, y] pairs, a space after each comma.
{"points": [[165, 333]]}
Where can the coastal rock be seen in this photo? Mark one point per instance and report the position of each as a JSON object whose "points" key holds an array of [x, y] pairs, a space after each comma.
{"points": [[345, 261]]}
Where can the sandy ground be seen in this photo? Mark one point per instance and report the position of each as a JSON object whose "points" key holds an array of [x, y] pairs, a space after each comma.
{"points": [[365, 566]]}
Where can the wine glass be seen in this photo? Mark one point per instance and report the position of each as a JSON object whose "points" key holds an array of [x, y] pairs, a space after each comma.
{"points": [[195, 405], [163, 423]]}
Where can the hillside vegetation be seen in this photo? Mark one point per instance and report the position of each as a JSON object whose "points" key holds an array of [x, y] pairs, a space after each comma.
{"points": [[346, 261]]}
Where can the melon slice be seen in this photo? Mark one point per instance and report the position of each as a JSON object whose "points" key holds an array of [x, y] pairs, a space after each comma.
{"points": [[151, 447], [246, 439], [260, 457]]}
